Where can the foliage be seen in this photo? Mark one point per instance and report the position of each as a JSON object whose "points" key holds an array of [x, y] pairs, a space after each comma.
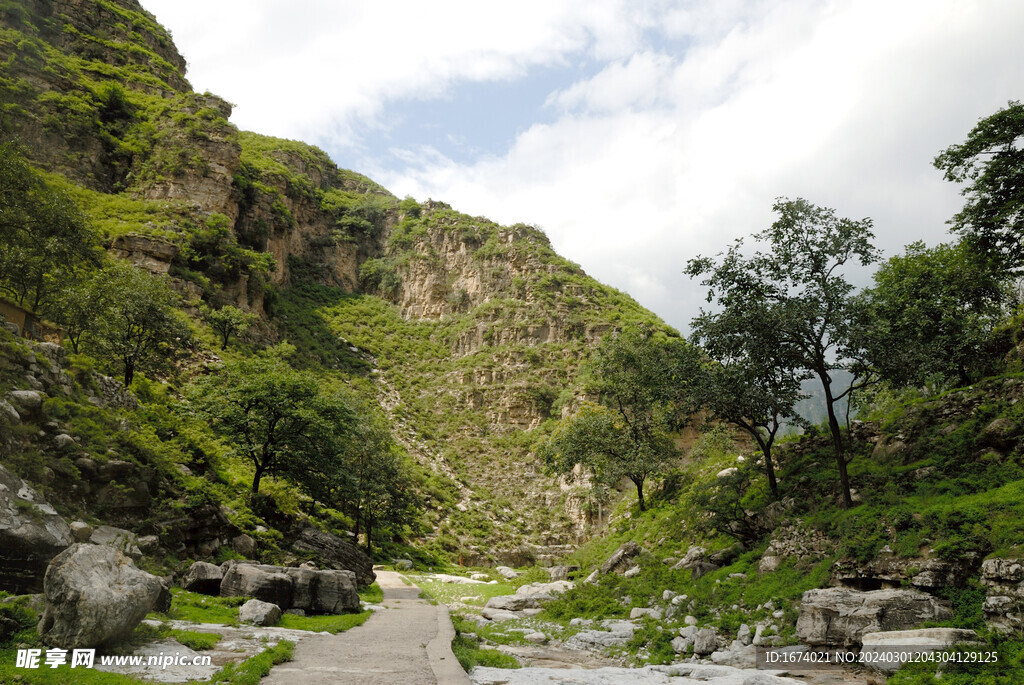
{"points": [[138, 328], [797, 290], [229, 320], [752, 380], [991, 163], [253, 669], [43, 236], [930, 316], [267, 409], [467, 649], [642, 378], [335, 623]]}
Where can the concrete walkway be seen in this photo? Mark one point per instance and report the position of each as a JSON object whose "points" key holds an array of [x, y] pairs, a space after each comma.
{"points": [[409, 643]]}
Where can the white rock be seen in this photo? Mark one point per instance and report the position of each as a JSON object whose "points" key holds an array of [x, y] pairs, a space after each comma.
{"points": [[640, 612]]}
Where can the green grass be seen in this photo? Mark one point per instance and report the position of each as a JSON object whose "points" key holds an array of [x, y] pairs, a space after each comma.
{"points": [[452, 593], [253, 669], [331, 624], [372, 594], [197, 608], [467, 649], [195, 640]]}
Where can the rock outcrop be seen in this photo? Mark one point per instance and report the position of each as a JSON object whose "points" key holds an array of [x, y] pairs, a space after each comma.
{"points": [[1004, 603], [95, 596], [203, 577], [327, 591], [331, 551], [840, 616], [31, 534], [888, 650]]}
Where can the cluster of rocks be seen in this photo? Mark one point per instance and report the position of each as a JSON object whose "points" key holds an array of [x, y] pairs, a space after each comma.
{"points": [[887, 570], [841, 616], [298, 590], [795, 541], [525, 603]]}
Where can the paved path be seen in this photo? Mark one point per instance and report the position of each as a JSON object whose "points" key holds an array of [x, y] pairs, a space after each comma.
{"points": [[409, 643]]}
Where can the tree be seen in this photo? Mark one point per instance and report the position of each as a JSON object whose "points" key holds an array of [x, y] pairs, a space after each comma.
{"points": [[265, 408], [930, 315], [642, 378], [351, 463], [797, 290], [78, 307], [43, 235], [139, 325], [229, 320], [991, 163], [752, 379]]}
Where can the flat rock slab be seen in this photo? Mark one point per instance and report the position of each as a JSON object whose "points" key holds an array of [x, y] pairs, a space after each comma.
{"points": [[409, 642], [236, 644], [649, 675]]}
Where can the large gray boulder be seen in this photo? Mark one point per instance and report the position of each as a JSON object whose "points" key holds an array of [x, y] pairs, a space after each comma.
{"points": [[31, 534], [840, 616], [620, 560], [333, 552], [259, 613], [95, 596], [266, 583], [203, 577], [323, 591]]}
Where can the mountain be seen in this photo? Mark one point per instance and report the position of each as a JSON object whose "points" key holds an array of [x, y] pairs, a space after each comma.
{"points": [[468, 334]]}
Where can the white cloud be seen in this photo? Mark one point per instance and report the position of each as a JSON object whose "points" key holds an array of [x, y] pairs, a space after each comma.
{"points": [[703, 113], [659, 158]]}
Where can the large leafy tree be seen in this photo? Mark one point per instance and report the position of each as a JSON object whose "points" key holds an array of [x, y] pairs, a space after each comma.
{"points": [[752, 377], [43, 235], [139, 326], [266, 409], [796, 289], [643, 379], [991, 165], [930, 316]]}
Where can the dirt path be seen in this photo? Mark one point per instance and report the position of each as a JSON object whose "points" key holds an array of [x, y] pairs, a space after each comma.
{"points": [[409, 642]]}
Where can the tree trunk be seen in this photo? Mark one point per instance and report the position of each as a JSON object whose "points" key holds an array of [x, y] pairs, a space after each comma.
{"points": [[639, 483], [837, 438], [769, 467], [369, 539], [129, 372], [256, 479]]}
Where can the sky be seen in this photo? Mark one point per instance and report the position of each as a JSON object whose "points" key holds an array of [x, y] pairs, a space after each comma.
{"points": [[637, 134]]}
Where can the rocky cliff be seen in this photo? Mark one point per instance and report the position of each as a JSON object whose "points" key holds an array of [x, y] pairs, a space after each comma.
{"points": [[475, 330]]}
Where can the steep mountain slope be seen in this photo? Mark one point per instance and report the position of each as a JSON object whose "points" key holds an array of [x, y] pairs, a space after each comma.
{"points": [[470, 333]]}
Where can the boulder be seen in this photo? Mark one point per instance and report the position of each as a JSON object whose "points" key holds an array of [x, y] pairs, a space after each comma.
{"points": [[681, 645], [81, 531], [247, 580], [203, 577], [615, 634], [336, 553], [561, 572], [259, 613], [506, 572], [513, 602], [640, 612], [697, 561], [323, 591], [840, 616], [31, 534], [621, 559], [95, 596], [545, 591], [498, 615], [27, 401], [9, 411], [123, 540], [244, 545], [705, 641]]}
